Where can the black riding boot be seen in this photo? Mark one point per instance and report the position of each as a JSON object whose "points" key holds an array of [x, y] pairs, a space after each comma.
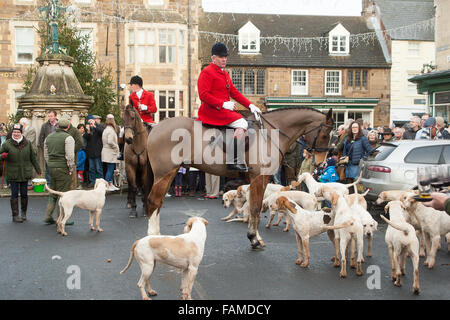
{"points": [[15, 210], [23, 207], [238, 159]]}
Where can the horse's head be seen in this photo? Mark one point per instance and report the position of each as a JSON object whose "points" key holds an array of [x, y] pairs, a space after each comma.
{"points": [[318, 137], [130, 119]]}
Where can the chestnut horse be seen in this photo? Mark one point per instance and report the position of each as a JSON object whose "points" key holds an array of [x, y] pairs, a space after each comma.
{"points": [[282, 127], [135, 156]]}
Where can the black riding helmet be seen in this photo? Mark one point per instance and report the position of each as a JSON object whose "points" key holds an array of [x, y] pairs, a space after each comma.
{"points": [[219, 49], [136, 80]]}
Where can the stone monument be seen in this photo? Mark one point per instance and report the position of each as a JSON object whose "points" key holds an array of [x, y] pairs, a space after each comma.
{"points": [[55, 85]]}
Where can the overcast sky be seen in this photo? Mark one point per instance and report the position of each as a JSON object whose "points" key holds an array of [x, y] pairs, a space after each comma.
{"points": [[302, 7]]}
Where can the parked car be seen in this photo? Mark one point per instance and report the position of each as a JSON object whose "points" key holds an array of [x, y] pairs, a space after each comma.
{"points": [[394, 167]]}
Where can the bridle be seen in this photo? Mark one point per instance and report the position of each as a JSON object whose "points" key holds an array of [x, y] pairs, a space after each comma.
{"points": [[133, 129], [312, 148]]}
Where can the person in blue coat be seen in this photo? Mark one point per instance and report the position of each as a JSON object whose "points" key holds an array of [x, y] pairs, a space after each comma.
{"points": [[80, 164], [355, 147], [330, 174]]}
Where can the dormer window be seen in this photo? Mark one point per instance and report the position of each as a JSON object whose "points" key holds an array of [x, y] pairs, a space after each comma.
{"points": [[339, 41], [249, 38]]}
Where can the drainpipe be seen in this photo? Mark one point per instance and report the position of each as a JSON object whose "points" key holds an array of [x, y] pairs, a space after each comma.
{"points": [[189, 57]]}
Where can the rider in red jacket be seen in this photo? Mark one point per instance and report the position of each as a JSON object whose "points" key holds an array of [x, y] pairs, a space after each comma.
{"points": [[216, 90], [143, 101]]}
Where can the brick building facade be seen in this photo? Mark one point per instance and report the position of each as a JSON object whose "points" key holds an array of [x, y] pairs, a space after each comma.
{"points": [[292, 63]]}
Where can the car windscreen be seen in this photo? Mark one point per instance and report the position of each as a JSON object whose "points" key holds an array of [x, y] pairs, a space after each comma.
{"points": [[383, 152]]}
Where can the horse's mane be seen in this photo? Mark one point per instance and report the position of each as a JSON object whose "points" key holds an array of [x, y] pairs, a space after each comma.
{"points": [[292, 108]]}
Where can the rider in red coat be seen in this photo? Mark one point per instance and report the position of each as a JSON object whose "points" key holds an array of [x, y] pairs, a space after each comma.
{"points": [[143, 101], [216, 90]]}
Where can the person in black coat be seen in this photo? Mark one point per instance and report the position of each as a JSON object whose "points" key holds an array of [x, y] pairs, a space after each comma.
{"points": [[94, 146]]}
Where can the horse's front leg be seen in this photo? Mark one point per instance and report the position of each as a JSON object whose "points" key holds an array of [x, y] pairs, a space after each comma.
{"points": [[155, 200], [132, 190], [257, 188]]}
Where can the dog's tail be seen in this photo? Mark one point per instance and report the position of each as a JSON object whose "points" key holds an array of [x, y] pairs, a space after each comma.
{"points": [[53, 191], [353, 184], [340, 226], [395, 226], [237, 219], [365, 193], [131, 257]]}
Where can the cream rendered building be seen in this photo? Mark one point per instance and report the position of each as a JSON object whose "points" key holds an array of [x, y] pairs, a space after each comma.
{"points": [[410, 46], [408, 58]]}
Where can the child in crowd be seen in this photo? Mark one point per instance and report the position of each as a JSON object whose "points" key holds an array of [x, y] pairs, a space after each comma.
{"points": [[329, 174], [80, 164], [179, 181]]}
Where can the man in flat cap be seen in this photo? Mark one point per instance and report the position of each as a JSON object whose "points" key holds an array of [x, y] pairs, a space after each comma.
{"points": [[215, 90], [59, 154]]}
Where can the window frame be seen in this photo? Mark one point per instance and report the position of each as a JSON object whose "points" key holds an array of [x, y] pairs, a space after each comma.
{"points": [[156, 45], [340, 33], [249, 33], [340, 83], [16, 51], [240, 73], [416, 51], [306, 86], [363, 79]]}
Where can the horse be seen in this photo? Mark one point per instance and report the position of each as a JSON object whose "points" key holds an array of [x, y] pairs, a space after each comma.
{"points": [[164, 148], [135, 157]]}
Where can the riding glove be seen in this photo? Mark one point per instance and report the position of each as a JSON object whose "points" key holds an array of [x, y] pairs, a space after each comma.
{"points": [[255, 110], [228, 105]]}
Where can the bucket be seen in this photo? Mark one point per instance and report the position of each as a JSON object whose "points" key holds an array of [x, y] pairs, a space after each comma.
{"points": [[38, 185]]}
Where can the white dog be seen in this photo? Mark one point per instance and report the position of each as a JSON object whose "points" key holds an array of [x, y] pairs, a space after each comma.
{"points": [[347, 226], [92, 200], [401, 239], [315, 187], [184, 251], [434, 224], [393, 195], [369, 226]]}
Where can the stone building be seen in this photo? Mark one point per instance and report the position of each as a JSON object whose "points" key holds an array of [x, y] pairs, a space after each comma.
{"points": [[293, 60], [144, 37]]}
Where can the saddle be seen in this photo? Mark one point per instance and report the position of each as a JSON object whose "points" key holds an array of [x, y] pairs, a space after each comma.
{"points": [[215, 140]]}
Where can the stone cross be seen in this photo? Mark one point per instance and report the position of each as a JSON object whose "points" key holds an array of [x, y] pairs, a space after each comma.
{"points": [[52, 13]]}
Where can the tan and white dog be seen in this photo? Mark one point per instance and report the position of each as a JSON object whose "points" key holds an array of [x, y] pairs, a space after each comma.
{"points": [[401, 239], [184, 251], [305, 200], [230, 198], [307, 224], [91, 200], [392, 195], [434, 224]]}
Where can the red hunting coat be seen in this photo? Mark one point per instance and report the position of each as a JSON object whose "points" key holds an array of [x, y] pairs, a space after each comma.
{"points": [[214, 88], [148, 99]]}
